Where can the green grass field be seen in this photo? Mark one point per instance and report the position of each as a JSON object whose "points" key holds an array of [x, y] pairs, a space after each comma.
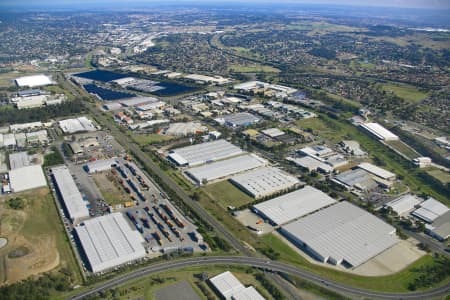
{"points": [[407, 92], [440, 175], [227, 194], [149, 139], [403, 148]]}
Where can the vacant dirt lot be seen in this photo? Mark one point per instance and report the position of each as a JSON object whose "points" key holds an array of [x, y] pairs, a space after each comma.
{"points": [[32, 245]]}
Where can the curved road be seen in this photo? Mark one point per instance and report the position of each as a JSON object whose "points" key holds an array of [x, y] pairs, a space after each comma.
{"points": [[267, 265]]}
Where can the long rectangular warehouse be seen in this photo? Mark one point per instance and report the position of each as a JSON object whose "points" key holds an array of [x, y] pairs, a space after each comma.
{"points": [[224, 168], [379, 131], [265, 181], [203, 153], [286, 208], [108, 241], [341, 234], [70, 195]]}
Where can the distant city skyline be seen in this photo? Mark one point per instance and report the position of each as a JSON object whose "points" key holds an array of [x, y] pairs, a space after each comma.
{"points": [[437, 4]]}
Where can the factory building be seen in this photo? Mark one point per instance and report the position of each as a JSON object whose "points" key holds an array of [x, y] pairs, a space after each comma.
{"points": [[69, 194], [19, 160], [311, 164], [27, 178], [403, 205], [377, 171], [238, 120], [286, 208], [184, 129], [33, 81], [357, 179], [203, 153], [430, 210], [230, 288], [108, 241], [342, 234], [224, 168], [100, 165], [81, 124], [264, 182], [379, 132]]}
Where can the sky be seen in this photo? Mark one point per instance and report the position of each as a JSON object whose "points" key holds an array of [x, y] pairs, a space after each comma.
{"points": [[432, 4]]}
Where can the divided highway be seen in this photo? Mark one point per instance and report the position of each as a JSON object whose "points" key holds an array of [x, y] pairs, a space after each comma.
{"points": [[266, 265]]}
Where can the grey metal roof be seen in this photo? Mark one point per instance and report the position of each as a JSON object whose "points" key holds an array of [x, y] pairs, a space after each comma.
{"points": [[265, 181], [109, 241], [286, 208], [344, 232]]}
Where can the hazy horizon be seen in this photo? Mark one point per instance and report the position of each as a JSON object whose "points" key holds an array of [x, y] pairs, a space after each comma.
{"points": [[424, 4]]}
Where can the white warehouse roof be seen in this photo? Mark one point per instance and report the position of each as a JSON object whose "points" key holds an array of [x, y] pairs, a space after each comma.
{"points": [[430, 210], [404, 204], [342, 232], [203, 153], [33, 81], [379, 131], [76, 125], [231, 288], [286, 208], [109, 241], [265, 181], [224, 168], [27, 178], [377, 171], [69, 193]]}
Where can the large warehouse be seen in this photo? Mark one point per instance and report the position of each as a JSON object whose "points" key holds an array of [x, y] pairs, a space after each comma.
{"points": [[224, 168], [108, 241], [265, 181], [229, 287], [27, 178], [341, 234], [69, 194], [80, 124], [379, 132], [203, 153], [430, 210], [289, 207], [33, 81]]}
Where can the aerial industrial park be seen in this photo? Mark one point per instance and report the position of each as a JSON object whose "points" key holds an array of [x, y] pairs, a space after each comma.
{"points": [[124, 176]]}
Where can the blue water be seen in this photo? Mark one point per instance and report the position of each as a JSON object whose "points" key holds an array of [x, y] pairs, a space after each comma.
{"points": [[106, 94], [100, 75], [171, 89]]}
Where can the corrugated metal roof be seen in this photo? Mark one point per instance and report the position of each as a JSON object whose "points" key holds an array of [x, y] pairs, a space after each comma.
{"points": [[344, 232], [286, 208], [109, 241]]}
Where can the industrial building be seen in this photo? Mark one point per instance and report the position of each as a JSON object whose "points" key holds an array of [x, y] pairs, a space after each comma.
{"points": [[264, 182], [23, 102], [229, 287], [238, 120], [203, 153], [108, 241], [187, 128], [289, 207], [430, 210], [273, 132], [69, 194], [404, 205], [377, 171], [225, 168], [440, 228], [342, 234], [27, 178], [19, 160], [37, 137], [357, 179], [379, 132], [80, 124], [100, 165], [311, 164], [33, 81]]}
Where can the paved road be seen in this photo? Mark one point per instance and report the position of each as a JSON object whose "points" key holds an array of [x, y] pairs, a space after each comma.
{"points": [[266, 265]]}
